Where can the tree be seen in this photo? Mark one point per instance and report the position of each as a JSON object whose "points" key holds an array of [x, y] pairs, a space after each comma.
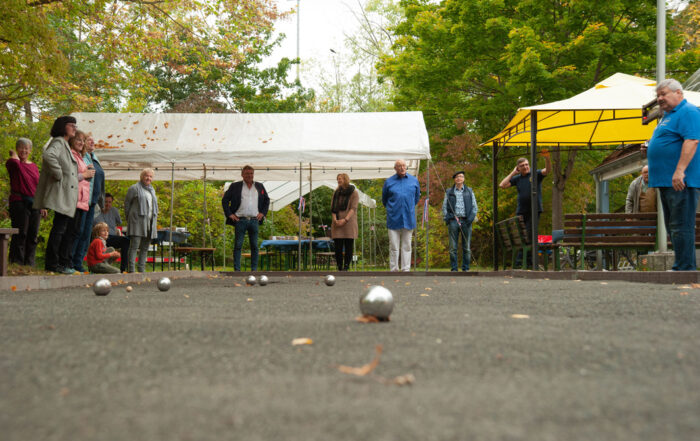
{"points": [[74, 55], [353, 85], [478, 61], [243, 89]]}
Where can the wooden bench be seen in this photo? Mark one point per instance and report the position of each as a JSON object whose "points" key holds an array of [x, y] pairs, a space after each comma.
{"points": [[616, 232], [5, 235], [513, 238], [204, 254]]}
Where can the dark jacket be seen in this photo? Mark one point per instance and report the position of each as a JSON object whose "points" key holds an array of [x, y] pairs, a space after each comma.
{"points": [[451, 202], [232, 200]]}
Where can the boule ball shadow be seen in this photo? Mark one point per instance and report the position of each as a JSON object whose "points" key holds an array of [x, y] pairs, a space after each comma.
{"points": [[329, 280], [251, 280], [102, 287], [263, 280], [163, 284], [378, 302]]}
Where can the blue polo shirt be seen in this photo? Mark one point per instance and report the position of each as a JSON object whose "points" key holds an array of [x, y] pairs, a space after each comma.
{"points": [[400, 196], [681, 123]]}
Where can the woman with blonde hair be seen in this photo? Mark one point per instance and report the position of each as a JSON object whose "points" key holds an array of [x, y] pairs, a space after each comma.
{"points": [[141, 210], [344, 217]]}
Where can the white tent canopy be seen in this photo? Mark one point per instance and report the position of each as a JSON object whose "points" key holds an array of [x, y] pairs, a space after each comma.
{"points": [[218, 145], [282, 193]]}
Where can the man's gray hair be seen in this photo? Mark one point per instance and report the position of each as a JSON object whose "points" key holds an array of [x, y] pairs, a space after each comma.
{"points": [[673, 85], [23, 141]]}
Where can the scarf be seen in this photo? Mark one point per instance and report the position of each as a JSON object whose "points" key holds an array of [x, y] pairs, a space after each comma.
{"points": [[341, 197], [143, 201]]}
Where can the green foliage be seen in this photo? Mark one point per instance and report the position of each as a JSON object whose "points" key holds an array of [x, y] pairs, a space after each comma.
{"points": [[481, 60]]}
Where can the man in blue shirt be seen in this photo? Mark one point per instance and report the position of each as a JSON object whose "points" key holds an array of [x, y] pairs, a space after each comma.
{"points": [[400, 195], [674, 169], [459, 211]]}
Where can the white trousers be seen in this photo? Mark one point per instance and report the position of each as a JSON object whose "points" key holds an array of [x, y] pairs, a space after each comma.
{"points": [[400, 239]]}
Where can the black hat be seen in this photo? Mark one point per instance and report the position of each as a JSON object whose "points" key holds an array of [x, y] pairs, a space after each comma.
{"points": [[457, 173]]}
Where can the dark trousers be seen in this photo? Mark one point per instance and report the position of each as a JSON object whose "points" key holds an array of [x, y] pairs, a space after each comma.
{"points": [[243, 226], [122, 244], [23, 244], [81, 244], [60, 246], [455, 230], [343, 253], [679, 209]]}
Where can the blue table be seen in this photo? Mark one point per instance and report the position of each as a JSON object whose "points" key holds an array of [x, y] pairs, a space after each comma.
{"points": [[290, 248]]}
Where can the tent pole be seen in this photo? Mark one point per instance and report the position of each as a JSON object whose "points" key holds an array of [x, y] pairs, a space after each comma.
{"points": [[311, 217], [301, 171], [172, 204], [362, 247], [223, 235], [427, 222], [534, 202], [494, 198], [204, 207]]}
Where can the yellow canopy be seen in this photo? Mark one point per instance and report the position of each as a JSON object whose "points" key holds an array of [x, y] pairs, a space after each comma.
{"points": [[609, 113]]}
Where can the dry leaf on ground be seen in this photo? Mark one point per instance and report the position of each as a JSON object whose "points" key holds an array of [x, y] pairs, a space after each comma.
{"points": [[367, 319], [302, 341], [363, 370]]}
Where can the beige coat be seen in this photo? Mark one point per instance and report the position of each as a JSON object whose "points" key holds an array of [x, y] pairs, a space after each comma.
{"points": [[58, 182], [349, 230]]}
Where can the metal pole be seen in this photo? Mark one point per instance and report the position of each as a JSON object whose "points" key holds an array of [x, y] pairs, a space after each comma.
{"points": [[534, 202], [301, 171], [661, 241], [311, 217], [660, 40], [427, 222], [204, 204], [298, 34], [172, 206], [494, 192], [362, 246]]}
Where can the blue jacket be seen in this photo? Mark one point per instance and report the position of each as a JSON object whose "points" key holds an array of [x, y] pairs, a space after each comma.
{"points": [[400, 196], [232, 200], [450, 202]]}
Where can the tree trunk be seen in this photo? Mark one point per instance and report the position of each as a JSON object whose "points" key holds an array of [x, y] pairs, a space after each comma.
{"points": [[559, 178], [28, 115]]}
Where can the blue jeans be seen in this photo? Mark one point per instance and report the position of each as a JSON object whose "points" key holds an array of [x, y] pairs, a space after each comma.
{"points": [[456, 230], [82, 243], [679, 214], [242, 227]]}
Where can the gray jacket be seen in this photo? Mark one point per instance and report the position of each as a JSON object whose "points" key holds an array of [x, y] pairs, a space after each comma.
{"points": [[58, 182], [137, 224]]}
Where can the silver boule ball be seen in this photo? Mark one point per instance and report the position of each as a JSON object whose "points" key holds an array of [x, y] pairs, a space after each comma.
{"points": [[330, 280], [251, 280], [163, 284], [102, 287], [377, 301], [263, 280]]}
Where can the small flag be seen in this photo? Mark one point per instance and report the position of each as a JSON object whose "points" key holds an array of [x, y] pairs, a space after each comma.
{"points": [[302, 205], [425, 213]]}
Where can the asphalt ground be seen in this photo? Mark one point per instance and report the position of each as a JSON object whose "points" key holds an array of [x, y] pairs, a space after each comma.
{"points": [[490, 358]]}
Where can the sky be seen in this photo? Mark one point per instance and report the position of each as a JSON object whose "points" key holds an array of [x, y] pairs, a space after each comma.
{"points": [[322, 26]]}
